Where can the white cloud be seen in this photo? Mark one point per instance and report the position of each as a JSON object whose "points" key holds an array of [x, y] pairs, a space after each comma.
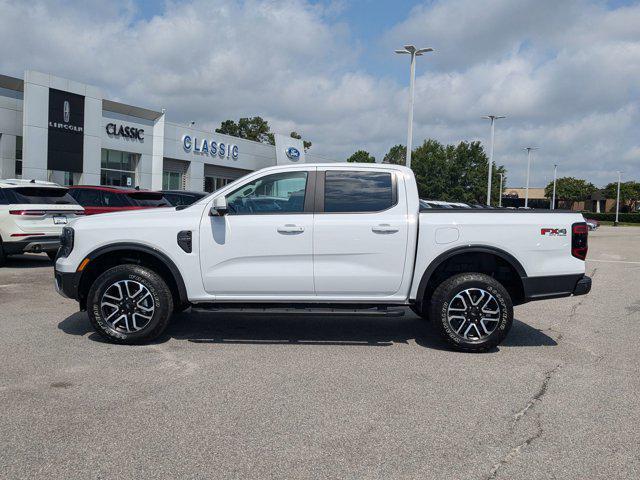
{"points": [[566, 73]]}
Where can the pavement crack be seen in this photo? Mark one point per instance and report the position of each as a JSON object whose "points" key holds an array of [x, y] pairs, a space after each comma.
{"points": [[538, 395], [516, 450]]}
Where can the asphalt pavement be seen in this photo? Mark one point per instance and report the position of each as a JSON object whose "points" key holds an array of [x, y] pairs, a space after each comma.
{"points": [[236, 396]]}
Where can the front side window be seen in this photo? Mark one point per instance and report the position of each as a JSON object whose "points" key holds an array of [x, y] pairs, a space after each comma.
{"points": [[277, 193], [357, 192]]}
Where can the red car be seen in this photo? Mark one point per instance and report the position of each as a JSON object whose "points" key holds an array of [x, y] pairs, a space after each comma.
{"points": [[103, 199]]}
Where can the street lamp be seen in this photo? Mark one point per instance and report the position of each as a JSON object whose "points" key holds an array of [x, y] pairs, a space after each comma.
{"points": [[411, 50], [615, 224], [526, 194], [493, 118], [553, 198], [500, 197]]}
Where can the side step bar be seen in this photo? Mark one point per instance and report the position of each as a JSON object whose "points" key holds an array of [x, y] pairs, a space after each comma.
{"points": [[304, 310]]}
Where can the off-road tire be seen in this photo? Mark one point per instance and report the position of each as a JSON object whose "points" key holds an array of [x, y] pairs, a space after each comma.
{"points": [[447, 291], [162, 298]]}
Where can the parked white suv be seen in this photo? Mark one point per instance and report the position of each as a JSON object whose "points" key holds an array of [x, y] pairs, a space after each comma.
{"points": [[32, 215], [332, 238]]}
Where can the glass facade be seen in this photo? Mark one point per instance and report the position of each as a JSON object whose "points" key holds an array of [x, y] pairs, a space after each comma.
{"points": [[19, 157], [172, 181], [118, 169], [211, 184]]}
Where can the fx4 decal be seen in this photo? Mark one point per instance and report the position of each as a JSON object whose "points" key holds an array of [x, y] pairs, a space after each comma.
{"points": [[553, 232]]}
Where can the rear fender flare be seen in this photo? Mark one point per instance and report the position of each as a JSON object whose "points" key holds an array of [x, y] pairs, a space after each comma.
{"points": [[440, 259]]}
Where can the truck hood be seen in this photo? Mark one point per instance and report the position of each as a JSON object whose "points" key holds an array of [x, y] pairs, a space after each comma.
{"points": [[125, 218]]}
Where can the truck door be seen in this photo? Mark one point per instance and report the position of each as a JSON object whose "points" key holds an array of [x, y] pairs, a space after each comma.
{"points": [[263, 246], [360, 232]]}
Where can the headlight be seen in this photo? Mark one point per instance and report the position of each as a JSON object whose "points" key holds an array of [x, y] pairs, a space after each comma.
{"points": [[66, 241]]}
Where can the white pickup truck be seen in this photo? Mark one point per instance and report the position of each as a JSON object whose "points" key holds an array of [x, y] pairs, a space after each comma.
{"points": [[334, 238]]}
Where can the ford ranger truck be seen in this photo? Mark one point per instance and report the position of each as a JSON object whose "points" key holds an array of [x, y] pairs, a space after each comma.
{"points": [[334, 238]]}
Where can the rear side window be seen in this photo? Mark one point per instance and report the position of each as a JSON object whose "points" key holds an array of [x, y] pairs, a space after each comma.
{"points": [[40, 195], [111, 199], [149, 199], [87, 198], [352, 191]]}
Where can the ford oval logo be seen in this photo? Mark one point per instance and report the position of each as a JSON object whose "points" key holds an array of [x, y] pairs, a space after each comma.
{"points": [[293, 153]]}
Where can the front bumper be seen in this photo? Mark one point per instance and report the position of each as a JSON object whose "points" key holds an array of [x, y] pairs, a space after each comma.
{"points": [[543, 288], [67, 284], [35, 244]]}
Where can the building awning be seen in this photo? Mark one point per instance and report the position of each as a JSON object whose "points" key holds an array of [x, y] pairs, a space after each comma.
{"points": [[11, 83], [130, 110]]}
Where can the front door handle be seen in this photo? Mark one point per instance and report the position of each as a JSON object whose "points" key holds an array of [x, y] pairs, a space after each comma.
{"points": [[290, 228], [383, 228]]}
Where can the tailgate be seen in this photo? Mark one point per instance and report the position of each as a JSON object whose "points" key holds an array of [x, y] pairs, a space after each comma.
{"points": [[44, 219]]}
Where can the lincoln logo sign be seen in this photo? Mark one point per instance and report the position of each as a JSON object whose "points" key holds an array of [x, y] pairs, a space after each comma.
{"points": [[209, 147], [66, 111], [125, 131], [65, 143], [66, 118], [293, 153]]}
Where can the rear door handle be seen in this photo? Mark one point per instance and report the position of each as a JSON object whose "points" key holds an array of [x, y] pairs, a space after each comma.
{"points": [[290, 228], [383, 228]]}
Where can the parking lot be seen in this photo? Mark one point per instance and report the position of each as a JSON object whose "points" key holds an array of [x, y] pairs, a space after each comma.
{"points": [[233, 396]]}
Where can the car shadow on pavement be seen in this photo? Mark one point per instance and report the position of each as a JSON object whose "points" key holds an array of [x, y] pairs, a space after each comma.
{"points": [[27, 261], [237, 328]]}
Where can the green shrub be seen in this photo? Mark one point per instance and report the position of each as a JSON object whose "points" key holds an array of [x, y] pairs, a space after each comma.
{"points": [[611, 217]]}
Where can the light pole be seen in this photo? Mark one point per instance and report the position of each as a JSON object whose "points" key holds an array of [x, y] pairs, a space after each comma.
{"points": [[411, 50], [500, 197], [615, 224], [493, 119], [526, 193], [553, 198]]}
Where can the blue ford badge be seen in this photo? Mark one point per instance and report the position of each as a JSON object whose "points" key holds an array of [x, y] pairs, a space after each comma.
{"points": [[293, 153]]}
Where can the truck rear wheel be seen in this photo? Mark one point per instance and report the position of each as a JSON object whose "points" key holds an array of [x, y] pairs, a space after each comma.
{"points": [[472, 311], [129, 304]]}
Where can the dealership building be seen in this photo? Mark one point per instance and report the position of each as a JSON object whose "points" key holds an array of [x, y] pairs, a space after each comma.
{"points": [[64, 131]]}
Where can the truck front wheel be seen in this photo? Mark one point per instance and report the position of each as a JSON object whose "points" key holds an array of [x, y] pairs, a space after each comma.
{"points": [[129, 304], [472, 311]]}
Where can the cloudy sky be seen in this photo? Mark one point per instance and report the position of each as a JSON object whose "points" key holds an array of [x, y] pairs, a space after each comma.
{"points": [[566, 73]]}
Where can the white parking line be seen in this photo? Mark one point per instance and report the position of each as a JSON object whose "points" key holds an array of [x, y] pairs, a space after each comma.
{"points": [[613, 261]]}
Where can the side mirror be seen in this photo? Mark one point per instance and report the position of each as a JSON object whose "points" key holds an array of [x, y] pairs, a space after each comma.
{"points": [[219, 208]]}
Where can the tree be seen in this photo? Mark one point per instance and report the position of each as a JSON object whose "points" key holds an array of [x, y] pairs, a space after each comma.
{"points": [[361, 156], [456, 173], [307, 144], [254, 128], [397, 155], [570, 190], [629, 193]]}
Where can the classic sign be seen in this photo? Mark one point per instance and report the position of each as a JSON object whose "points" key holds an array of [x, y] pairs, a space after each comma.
{"points": [[210, 147], [125, 131]]}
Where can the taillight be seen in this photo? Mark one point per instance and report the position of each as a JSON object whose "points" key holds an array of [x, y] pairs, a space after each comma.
{"points": [[579, 236], [29, 213]]}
